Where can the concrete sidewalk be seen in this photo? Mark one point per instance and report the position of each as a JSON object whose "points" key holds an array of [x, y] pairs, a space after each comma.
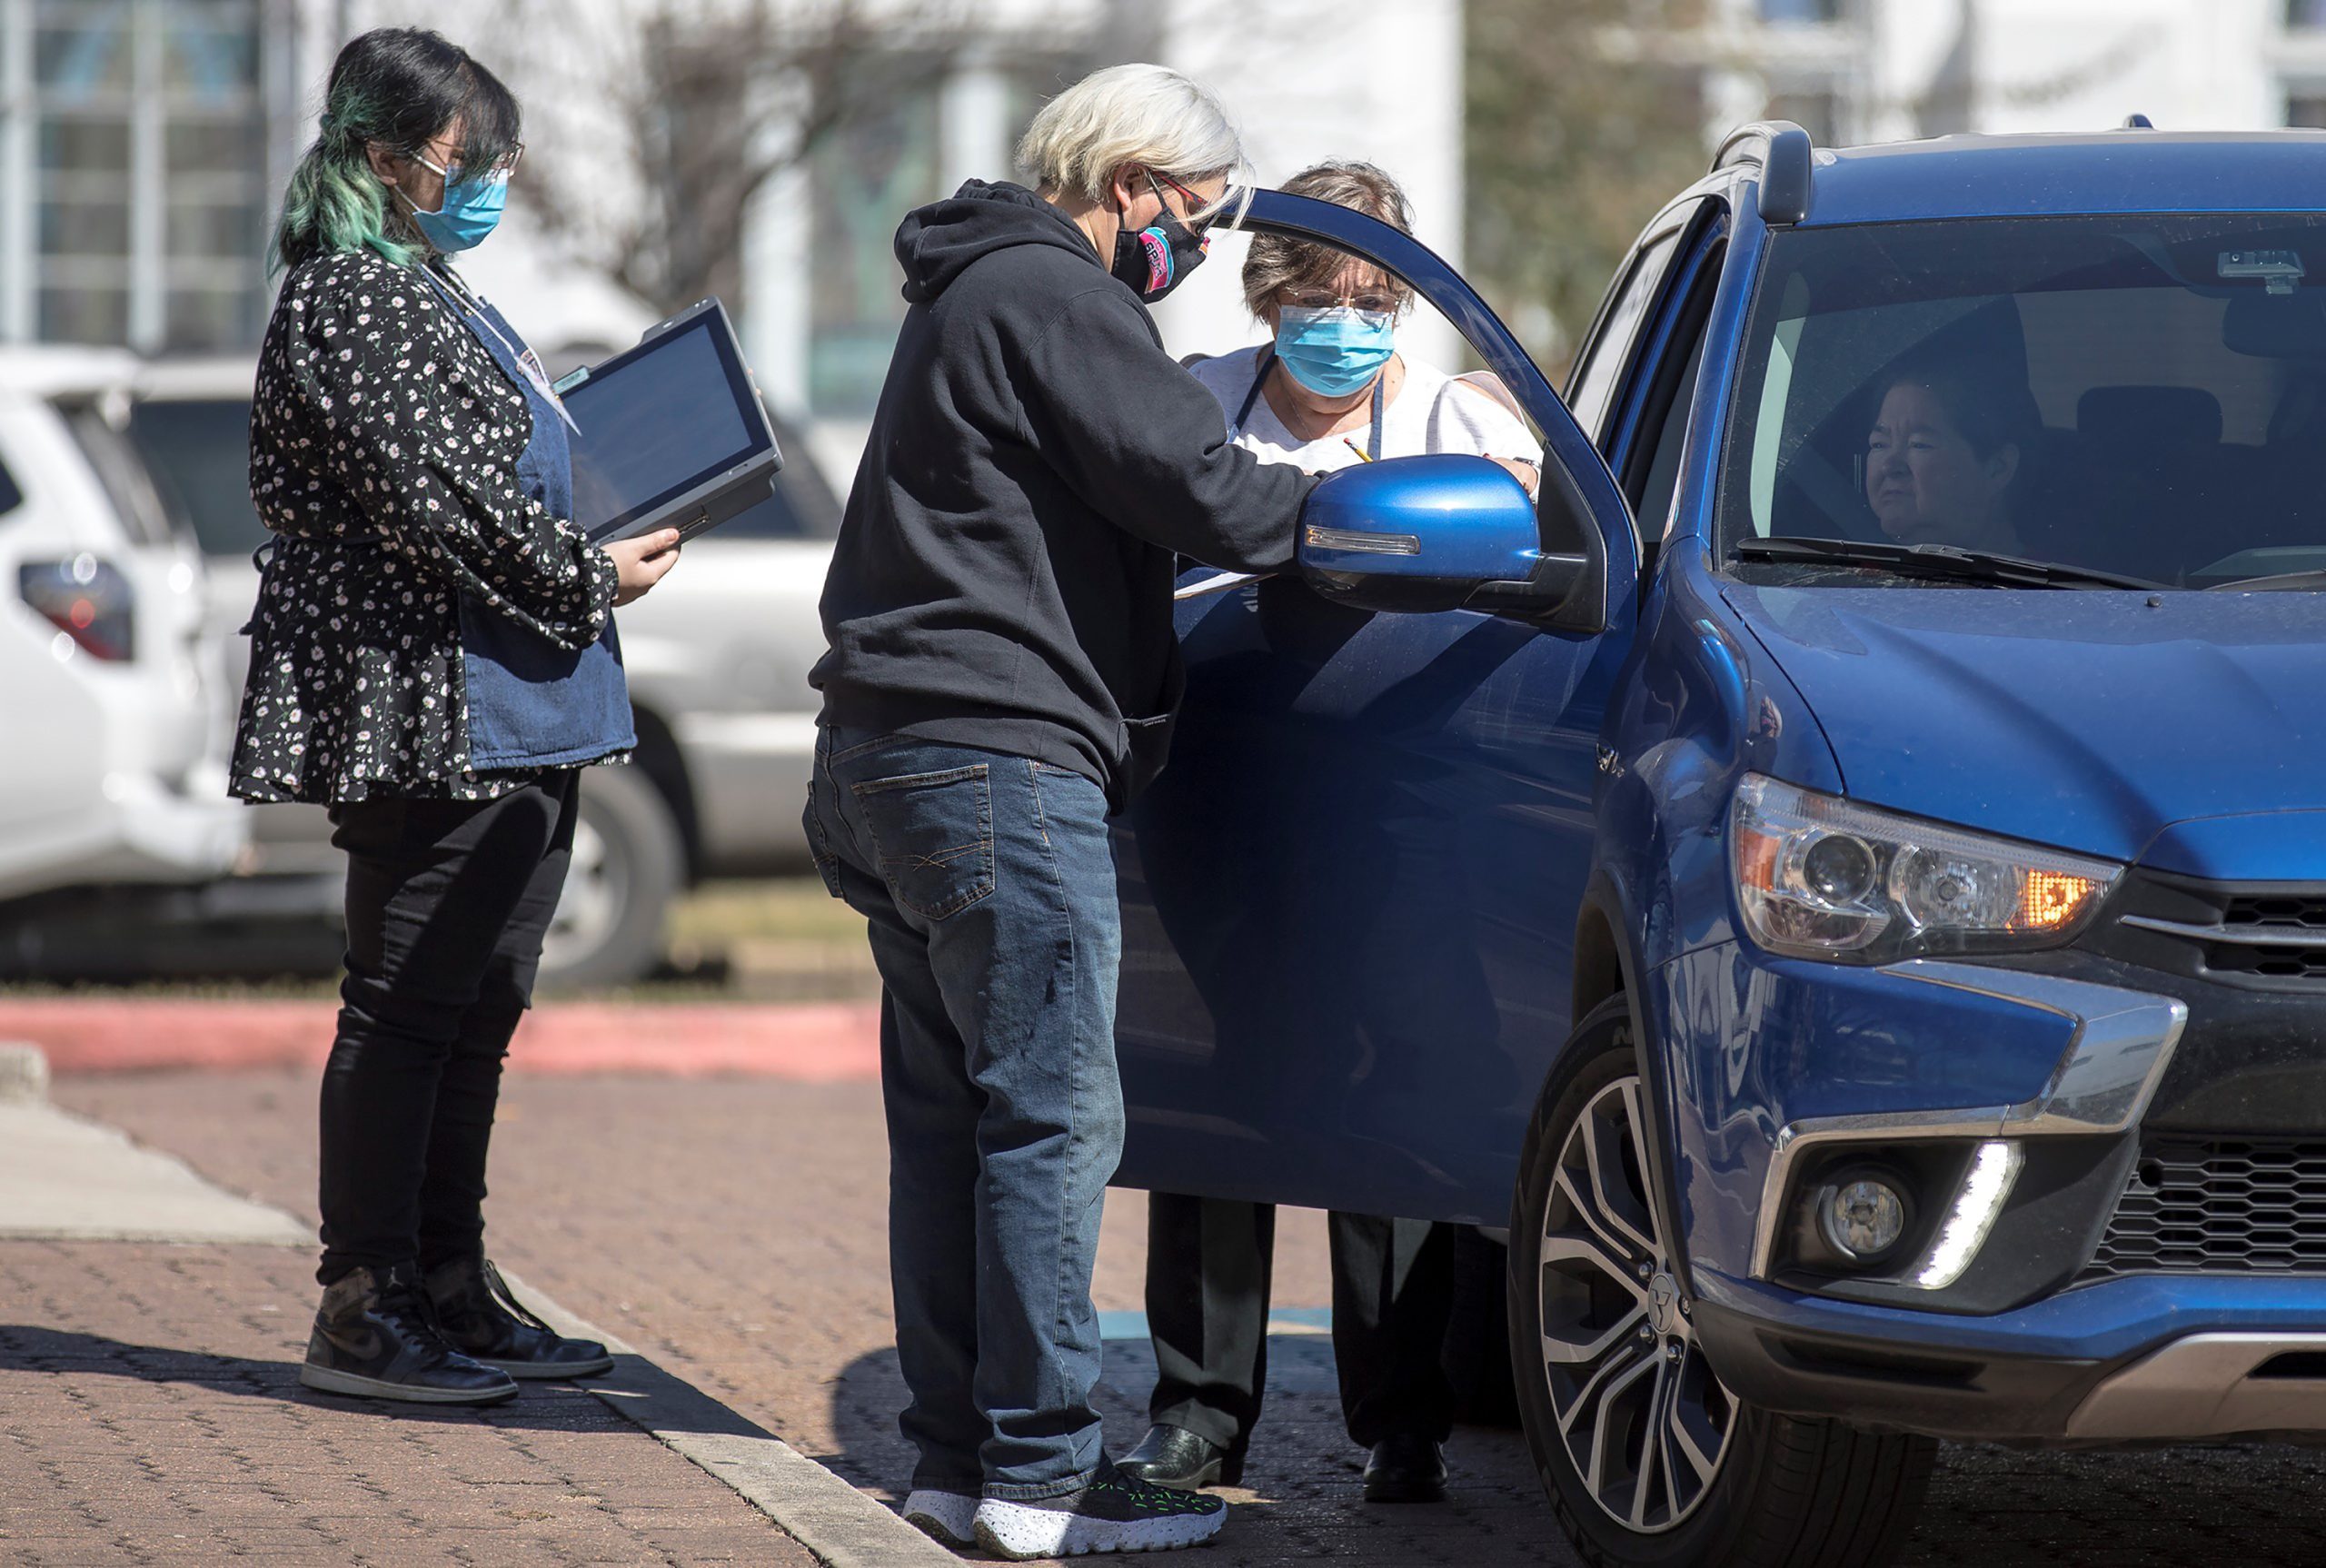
{"points": [[150, 1327]]}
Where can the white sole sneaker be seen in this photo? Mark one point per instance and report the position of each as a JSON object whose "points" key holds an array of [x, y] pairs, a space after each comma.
{"points": [[947, 1516], [1019, 1531], [330, 1380]]}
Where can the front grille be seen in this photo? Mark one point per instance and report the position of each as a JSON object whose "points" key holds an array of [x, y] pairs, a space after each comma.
{"points": [[2247, 924], [2270, 963], [2219, 1207], [2257, 937], [2296, 913]]}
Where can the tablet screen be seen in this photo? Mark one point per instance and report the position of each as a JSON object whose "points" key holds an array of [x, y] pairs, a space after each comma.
{"points": [[669, 415]]}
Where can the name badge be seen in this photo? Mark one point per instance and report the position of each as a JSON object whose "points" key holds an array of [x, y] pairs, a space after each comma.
{"points": [[535, 373]]}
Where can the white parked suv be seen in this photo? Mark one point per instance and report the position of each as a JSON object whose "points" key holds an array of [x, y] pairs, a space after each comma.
{"points": [[718, 659], [112, 702]]}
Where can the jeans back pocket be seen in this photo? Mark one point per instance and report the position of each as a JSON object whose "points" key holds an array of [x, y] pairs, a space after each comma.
{"points": [[933, 833]]}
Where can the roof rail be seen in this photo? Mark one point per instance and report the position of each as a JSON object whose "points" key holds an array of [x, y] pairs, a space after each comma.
{"points": [[1785, 153]]}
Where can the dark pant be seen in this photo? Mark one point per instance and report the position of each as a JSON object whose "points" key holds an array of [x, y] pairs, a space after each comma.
{"points": [[1208, 1266], [447, 901], [989, 882]]}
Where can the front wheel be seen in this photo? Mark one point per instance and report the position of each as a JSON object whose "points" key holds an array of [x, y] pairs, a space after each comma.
{"points": [[1649, 1461], [627, 858]]}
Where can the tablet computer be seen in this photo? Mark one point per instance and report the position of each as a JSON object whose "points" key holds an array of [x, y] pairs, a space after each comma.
{"points": [[669, 432]]}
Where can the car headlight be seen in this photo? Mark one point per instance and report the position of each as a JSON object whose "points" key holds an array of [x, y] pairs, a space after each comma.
{"points": [[1818, 877]]}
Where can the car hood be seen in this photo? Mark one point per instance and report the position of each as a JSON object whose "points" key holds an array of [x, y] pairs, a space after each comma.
{"points": [[2089, 720]]}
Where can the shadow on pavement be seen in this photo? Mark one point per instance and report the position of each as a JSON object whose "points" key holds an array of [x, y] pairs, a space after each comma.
{"points": [[1301, 1496], [65, 1353]]}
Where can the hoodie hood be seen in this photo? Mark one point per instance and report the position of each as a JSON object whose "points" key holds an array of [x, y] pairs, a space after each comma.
{"points": [[2093, 722], [936, 243]]}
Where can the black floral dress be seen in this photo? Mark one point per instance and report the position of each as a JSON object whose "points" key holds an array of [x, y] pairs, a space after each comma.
{"points": [[384, 443]]}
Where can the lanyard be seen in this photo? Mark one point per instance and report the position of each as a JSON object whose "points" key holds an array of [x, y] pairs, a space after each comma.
{"points": [[461, 297], [1260, 380]]}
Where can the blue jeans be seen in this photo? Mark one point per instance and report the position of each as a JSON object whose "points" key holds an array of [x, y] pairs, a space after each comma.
{"points": [[989, 882]]}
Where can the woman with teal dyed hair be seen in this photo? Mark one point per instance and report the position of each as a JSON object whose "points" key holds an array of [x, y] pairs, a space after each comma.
{"points": [[434, 658]]}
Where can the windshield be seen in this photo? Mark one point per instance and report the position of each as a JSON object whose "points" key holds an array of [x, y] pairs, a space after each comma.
{"points": [[2139, 396], [198, 449]]}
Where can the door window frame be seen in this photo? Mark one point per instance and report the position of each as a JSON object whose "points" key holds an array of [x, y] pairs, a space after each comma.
{"points": [[1616, 326], [1657, 385]]}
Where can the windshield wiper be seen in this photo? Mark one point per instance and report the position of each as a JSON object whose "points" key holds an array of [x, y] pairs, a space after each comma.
{"points": [[2276, 583], [1940, 561]]}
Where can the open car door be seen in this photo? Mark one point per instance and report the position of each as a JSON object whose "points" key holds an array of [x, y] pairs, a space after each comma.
{"points": [[1349, 902]]}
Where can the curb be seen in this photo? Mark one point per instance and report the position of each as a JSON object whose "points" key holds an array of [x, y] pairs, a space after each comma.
{"points": [[840, 1525], [24, 1073], [843, 1527], [815, 1043]]}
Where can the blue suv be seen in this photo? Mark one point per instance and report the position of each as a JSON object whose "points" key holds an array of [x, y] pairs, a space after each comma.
{"points": [[1842, 880]]}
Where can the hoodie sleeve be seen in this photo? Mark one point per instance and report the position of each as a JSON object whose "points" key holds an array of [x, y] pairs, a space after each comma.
{"points": [[1143, 441]]}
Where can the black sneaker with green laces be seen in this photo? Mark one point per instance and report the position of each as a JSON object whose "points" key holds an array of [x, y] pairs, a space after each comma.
{"points": [[1113, 1513]]}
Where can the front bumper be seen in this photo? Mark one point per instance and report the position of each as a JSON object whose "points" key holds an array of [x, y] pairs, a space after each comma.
{"points": [[2149, 1359], [2090, 1066], [138, 827], [1780, 1070]]}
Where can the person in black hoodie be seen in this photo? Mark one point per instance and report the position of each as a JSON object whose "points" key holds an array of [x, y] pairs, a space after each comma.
{"points": [[1002, 676]]}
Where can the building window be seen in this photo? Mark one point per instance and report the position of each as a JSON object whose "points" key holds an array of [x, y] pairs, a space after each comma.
{"points": [[2306, 106], [861, 183], [144, 203], [1802, 12], [2303, 15]]}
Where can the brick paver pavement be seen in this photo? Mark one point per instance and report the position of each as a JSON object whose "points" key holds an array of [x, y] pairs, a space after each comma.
{"points": [[732, 1230], [150, 1412]]}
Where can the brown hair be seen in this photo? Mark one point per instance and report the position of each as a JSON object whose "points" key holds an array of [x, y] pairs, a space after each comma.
{"points": [[1277, 263]]}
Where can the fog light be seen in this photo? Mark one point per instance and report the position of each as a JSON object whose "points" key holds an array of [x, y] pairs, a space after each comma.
{"points": [[1863, 1217]]}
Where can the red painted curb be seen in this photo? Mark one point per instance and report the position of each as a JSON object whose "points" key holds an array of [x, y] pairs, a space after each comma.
{"points": [[812, 1042]]}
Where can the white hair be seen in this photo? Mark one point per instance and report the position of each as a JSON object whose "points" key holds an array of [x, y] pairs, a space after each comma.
{"points": [[1146, 114]]}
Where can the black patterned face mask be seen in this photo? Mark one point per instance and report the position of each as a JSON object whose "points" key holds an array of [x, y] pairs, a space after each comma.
{"points": [[1158, 258]]}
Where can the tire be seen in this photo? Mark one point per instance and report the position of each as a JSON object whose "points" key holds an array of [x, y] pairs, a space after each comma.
{"points": [[1594, 1315], [627, 862]]}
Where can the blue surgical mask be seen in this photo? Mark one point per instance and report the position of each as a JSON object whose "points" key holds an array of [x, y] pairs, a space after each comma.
{"points": [[471, 207], [1337, 352]]}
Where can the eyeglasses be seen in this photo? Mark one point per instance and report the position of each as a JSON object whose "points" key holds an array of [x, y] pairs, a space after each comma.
{"points": [[1195, 203], [506, 165], [1373, 302]]}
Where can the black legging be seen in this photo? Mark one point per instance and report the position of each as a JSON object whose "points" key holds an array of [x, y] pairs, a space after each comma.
{"points": [[447, 902]]}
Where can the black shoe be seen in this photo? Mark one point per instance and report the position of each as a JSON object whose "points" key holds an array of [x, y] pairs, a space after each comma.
{"points": [[1113, 1513], [374, 1338], [1174, 1456], [1405, 1469], [482, 1321]]}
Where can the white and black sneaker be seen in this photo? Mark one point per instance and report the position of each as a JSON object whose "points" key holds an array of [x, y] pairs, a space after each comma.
{"points": [[947, 1516], [1113, 1513]]}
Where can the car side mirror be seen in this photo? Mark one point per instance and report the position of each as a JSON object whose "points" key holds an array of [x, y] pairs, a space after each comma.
{"points": [[1427, 533]]}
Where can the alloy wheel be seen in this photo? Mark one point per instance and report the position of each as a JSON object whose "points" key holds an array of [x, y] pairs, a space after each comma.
{"points": [[1640, 1411]]}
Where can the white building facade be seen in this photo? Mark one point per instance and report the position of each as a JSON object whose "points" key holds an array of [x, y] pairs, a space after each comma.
{"points": [[1880, 70], [143, 142]]}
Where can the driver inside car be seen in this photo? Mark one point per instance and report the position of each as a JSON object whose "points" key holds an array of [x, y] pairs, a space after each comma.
{"points": [[1946, 458]]}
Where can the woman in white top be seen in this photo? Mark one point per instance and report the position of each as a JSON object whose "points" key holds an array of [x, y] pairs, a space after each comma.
{"points": [[1329, 389]]}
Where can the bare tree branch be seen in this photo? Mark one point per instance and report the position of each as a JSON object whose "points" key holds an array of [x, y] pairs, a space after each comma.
{"points": [[707, 105]]}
